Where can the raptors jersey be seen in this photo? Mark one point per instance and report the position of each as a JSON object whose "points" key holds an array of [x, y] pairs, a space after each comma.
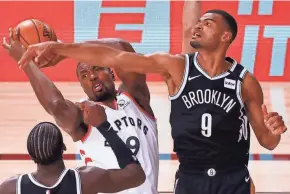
{"points": [[209, 124], [137, 130]]}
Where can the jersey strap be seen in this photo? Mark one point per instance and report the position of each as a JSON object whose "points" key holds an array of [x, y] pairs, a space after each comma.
{"points": [[18, 184], [184, 79]]}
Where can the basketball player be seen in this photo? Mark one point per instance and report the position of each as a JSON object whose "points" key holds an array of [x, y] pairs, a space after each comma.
{"points": [[45, 146], [191, 14], [213, 99], [128, 111]]}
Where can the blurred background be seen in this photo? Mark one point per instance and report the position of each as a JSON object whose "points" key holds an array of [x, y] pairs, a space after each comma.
{"points": [[262, 45]]}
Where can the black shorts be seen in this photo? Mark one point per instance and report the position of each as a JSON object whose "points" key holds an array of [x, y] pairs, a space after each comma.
{"points": [[213, 182]]}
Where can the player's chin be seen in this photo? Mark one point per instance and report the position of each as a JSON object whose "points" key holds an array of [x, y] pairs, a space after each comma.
{"points": [[195, 44]]}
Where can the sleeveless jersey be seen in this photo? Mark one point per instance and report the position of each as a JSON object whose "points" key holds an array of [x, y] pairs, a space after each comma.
{"points": [[68, 182], [209, 124], [137, 130]]}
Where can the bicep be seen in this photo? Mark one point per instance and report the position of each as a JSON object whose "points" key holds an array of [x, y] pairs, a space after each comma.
{"points": [[138, 63], [253, 95], [68, 116]]}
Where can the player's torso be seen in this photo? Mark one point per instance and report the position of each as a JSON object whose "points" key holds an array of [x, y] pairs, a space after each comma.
{"points": [[136, 129], [208, 118], [68, 182]]}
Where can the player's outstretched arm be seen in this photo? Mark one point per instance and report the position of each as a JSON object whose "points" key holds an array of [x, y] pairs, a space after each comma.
{"points": [[190, 16], [96, 180], [66, 113], [105, 56], [171, 67], [9, 186], [267, 127]]}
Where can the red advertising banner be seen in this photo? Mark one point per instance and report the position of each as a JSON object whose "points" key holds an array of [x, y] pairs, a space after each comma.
{"points": [[262, 44]]}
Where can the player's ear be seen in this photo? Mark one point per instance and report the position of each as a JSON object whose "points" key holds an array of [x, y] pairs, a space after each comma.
{"points": [[227, 37], [112, 74]]}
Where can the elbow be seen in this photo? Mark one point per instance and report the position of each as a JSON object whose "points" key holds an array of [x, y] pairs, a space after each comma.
{"points": [[139, 176]]}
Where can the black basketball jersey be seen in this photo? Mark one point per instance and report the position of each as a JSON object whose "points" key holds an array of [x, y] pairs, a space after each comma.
{"points": [[208, 118], [68, 183]]}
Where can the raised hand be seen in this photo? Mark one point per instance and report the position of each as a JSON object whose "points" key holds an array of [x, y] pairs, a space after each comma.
{"points": [[273, 121], [13, 47], [93, 113]]}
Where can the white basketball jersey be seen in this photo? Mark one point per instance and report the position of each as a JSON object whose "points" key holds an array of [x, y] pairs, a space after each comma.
{"points": [[137, 130]]}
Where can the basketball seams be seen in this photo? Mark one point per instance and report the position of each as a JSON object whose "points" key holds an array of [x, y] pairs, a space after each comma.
{"points": [[36, 30], [21, 37]]}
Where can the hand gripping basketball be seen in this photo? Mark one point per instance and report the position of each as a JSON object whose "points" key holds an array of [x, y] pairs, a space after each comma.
{"points": [[273, 121], [93, 113], [14, 48]]}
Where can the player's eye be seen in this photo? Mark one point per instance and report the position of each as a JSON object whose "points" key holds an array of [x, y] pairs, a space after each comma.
{"points": [[96, 68], [84, 76]]}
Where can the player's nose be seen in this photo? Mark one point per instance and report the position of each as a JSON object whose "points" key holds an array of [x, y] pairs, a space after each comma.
{"points": [[93, 76], [198, 26]]}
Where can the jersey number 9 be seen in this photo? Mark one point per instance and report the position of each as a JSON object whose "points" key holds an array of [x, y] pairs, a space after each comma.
{"points": [[132, 142], [206, 124]]}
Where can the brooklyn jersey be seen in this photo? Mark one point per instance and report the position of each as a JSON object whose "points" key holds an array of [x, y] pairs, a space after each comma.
{"points": [[209, 124], [138, 130], [68, 182]]}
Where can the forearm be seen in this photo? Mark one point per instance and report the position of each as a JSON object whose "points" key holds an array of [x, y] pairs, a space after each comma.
{"points": [[269, 140], [132, 174], [46, 92], [94, 54], [191, 14]]}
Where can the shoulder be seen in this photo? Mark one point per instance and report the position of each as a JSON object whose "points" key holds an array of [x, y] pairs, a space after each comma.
{"points": [[251, 88], [9, 186]]}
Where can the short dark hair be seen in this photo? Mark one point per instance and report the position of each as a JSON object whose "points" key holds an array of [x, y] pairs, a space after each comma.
{"points": [[45, 143], [229, 20]]}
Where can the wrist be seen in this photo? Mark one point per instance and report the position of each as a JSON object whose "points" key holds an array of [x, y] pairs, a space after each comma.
{"points": [[104, 126]]}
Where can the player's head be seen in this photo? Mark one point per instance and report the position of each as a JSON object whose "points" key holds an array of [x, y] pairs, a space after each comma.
{"points": [[45, 143], [214, 29], [97, 82]]}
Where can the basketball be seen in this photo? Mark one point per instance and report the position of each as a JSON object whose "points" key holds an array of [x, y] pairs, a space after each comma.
{"points": [[33, 31]]}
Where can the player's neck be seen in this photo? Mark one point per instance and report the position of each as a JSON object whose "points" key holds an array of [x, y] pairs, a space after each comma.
{"points": [[52, 169], [112, 103], [213, 62]]}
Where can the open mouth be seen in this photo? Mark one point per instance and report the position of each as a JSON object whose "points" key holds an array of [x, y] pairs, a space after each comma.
{"points": [[97, 87], [196, 35]]}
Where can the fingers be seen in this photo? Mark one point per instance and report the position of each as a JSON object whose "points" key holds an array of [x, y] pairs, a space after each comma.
{"points": [[273, 119], [5, 44], [11, 36], [45, 62], [276, 125], [270, 115], [27, 57], [282, 129]]}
